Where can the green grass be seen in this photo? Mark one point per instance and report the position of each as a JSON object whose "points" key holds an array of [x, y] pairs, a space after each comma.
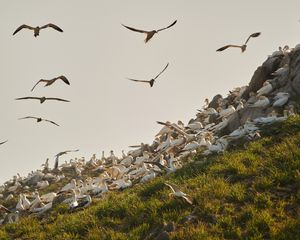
{"points": [[245, 193]]}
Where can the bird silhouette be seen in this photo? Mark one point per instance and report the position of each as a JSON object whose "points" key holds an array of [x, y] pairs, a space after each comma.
{"points": [[149, 34], [242, 47], [38, 119], [43, 99], [3, 142], [51, 81], [151, 81], [37, 29]]}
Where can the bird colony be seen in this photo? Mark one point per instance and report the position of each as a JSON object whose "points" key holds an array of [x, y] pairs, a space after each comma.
{"points": [[219, 124]]}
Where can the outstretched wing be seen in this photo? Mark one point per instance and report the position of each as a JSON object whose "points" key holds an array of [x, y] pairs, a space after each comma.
{"points": [[28, 118], [37, 84], [172, 24], [2, 207], [1, 144], [64, 79], [53, 26], [162, 71], [227, 46], [253, 35], [21, 27], [134, 29], [22, 98], [51, 122], [188, 200], [135, 80], [173, 187], [58, 99]]}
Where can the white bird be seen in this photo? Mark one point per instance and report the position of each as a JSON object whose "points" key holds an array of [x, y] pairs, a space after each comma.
{"points": [[262, 101], [42, 184], [281, 99], [48, 197], [191, 146], [265, 89], [227, 112], [69, 186], [281, 70], [43, 208], [195, 126], [178, 193]]}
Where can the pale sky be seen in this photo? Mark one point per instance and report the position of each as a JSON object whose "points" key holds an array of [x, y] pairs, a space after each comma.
{"points": [[96, 53]]}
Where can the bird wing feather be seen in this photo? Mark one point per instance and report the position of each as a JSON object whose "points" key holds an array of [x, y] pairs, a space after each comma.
{"points": [[253, 35], [134, 29], [162, 71], [172, 24], [21, 27], [52, 26]]}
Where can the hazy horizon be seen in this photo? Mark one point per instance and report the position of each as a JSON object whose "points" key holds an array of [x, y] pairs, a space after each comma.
{"points": [[97, 54]]}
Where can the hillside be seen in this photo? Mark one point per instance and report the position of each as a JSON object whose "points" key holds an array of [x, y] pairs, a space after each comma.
{"points": [[249, 192]]}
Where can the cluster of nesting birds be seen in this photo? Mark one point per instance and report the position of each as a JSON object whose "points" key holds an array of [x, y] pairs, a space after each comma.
{"points": [[86, 180]]}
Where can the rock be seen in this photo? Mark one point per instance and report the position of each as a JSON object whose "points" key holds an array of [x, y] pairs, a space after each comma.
{"points": [[215, 102]]}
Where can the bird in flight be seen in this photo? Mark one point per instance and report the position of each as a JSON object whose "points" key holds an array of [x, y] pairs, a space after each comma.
{"points": [[178, 193], [60, 154], [151, 82], [37, 29], [43, 99], [51, 81], [150, 34], [242, 47], [39, 120], [3, 142]]}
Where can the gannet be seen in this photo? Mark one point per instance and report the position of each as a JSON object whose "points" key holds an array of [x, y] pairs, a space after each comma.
{"points": [[43, 99], [262, 101], [149, 176], [151, 81], [37, 29], [281, 70], [178, 193], [227, 112], [195, 126], [149, 34], [60, 154], [69, 186], [240, 106], [265, 89], [48, 197], [242, 47], [43, 208], [191, 146], [51, 81], [281, 98], [38, 119], [42, 184]]}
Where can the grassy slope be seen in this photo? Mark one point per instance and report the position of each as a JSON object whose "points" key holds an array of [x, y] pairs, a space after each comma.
{"points": [[251, 193]]}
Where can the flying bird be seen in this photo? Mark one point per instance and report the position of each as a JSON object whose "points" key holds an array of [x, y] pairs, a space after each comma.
{"points": [[150, 34], [3, 142], [60, 154], [242, 47], [51, 81], [37, 29], [43, 99], [39, 120], [178, 193], [151, 82]]}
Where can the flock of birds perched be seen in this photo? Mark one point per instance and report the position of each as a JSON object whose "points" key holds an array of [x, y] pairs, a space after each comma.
{"points": [[87, 180]]}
